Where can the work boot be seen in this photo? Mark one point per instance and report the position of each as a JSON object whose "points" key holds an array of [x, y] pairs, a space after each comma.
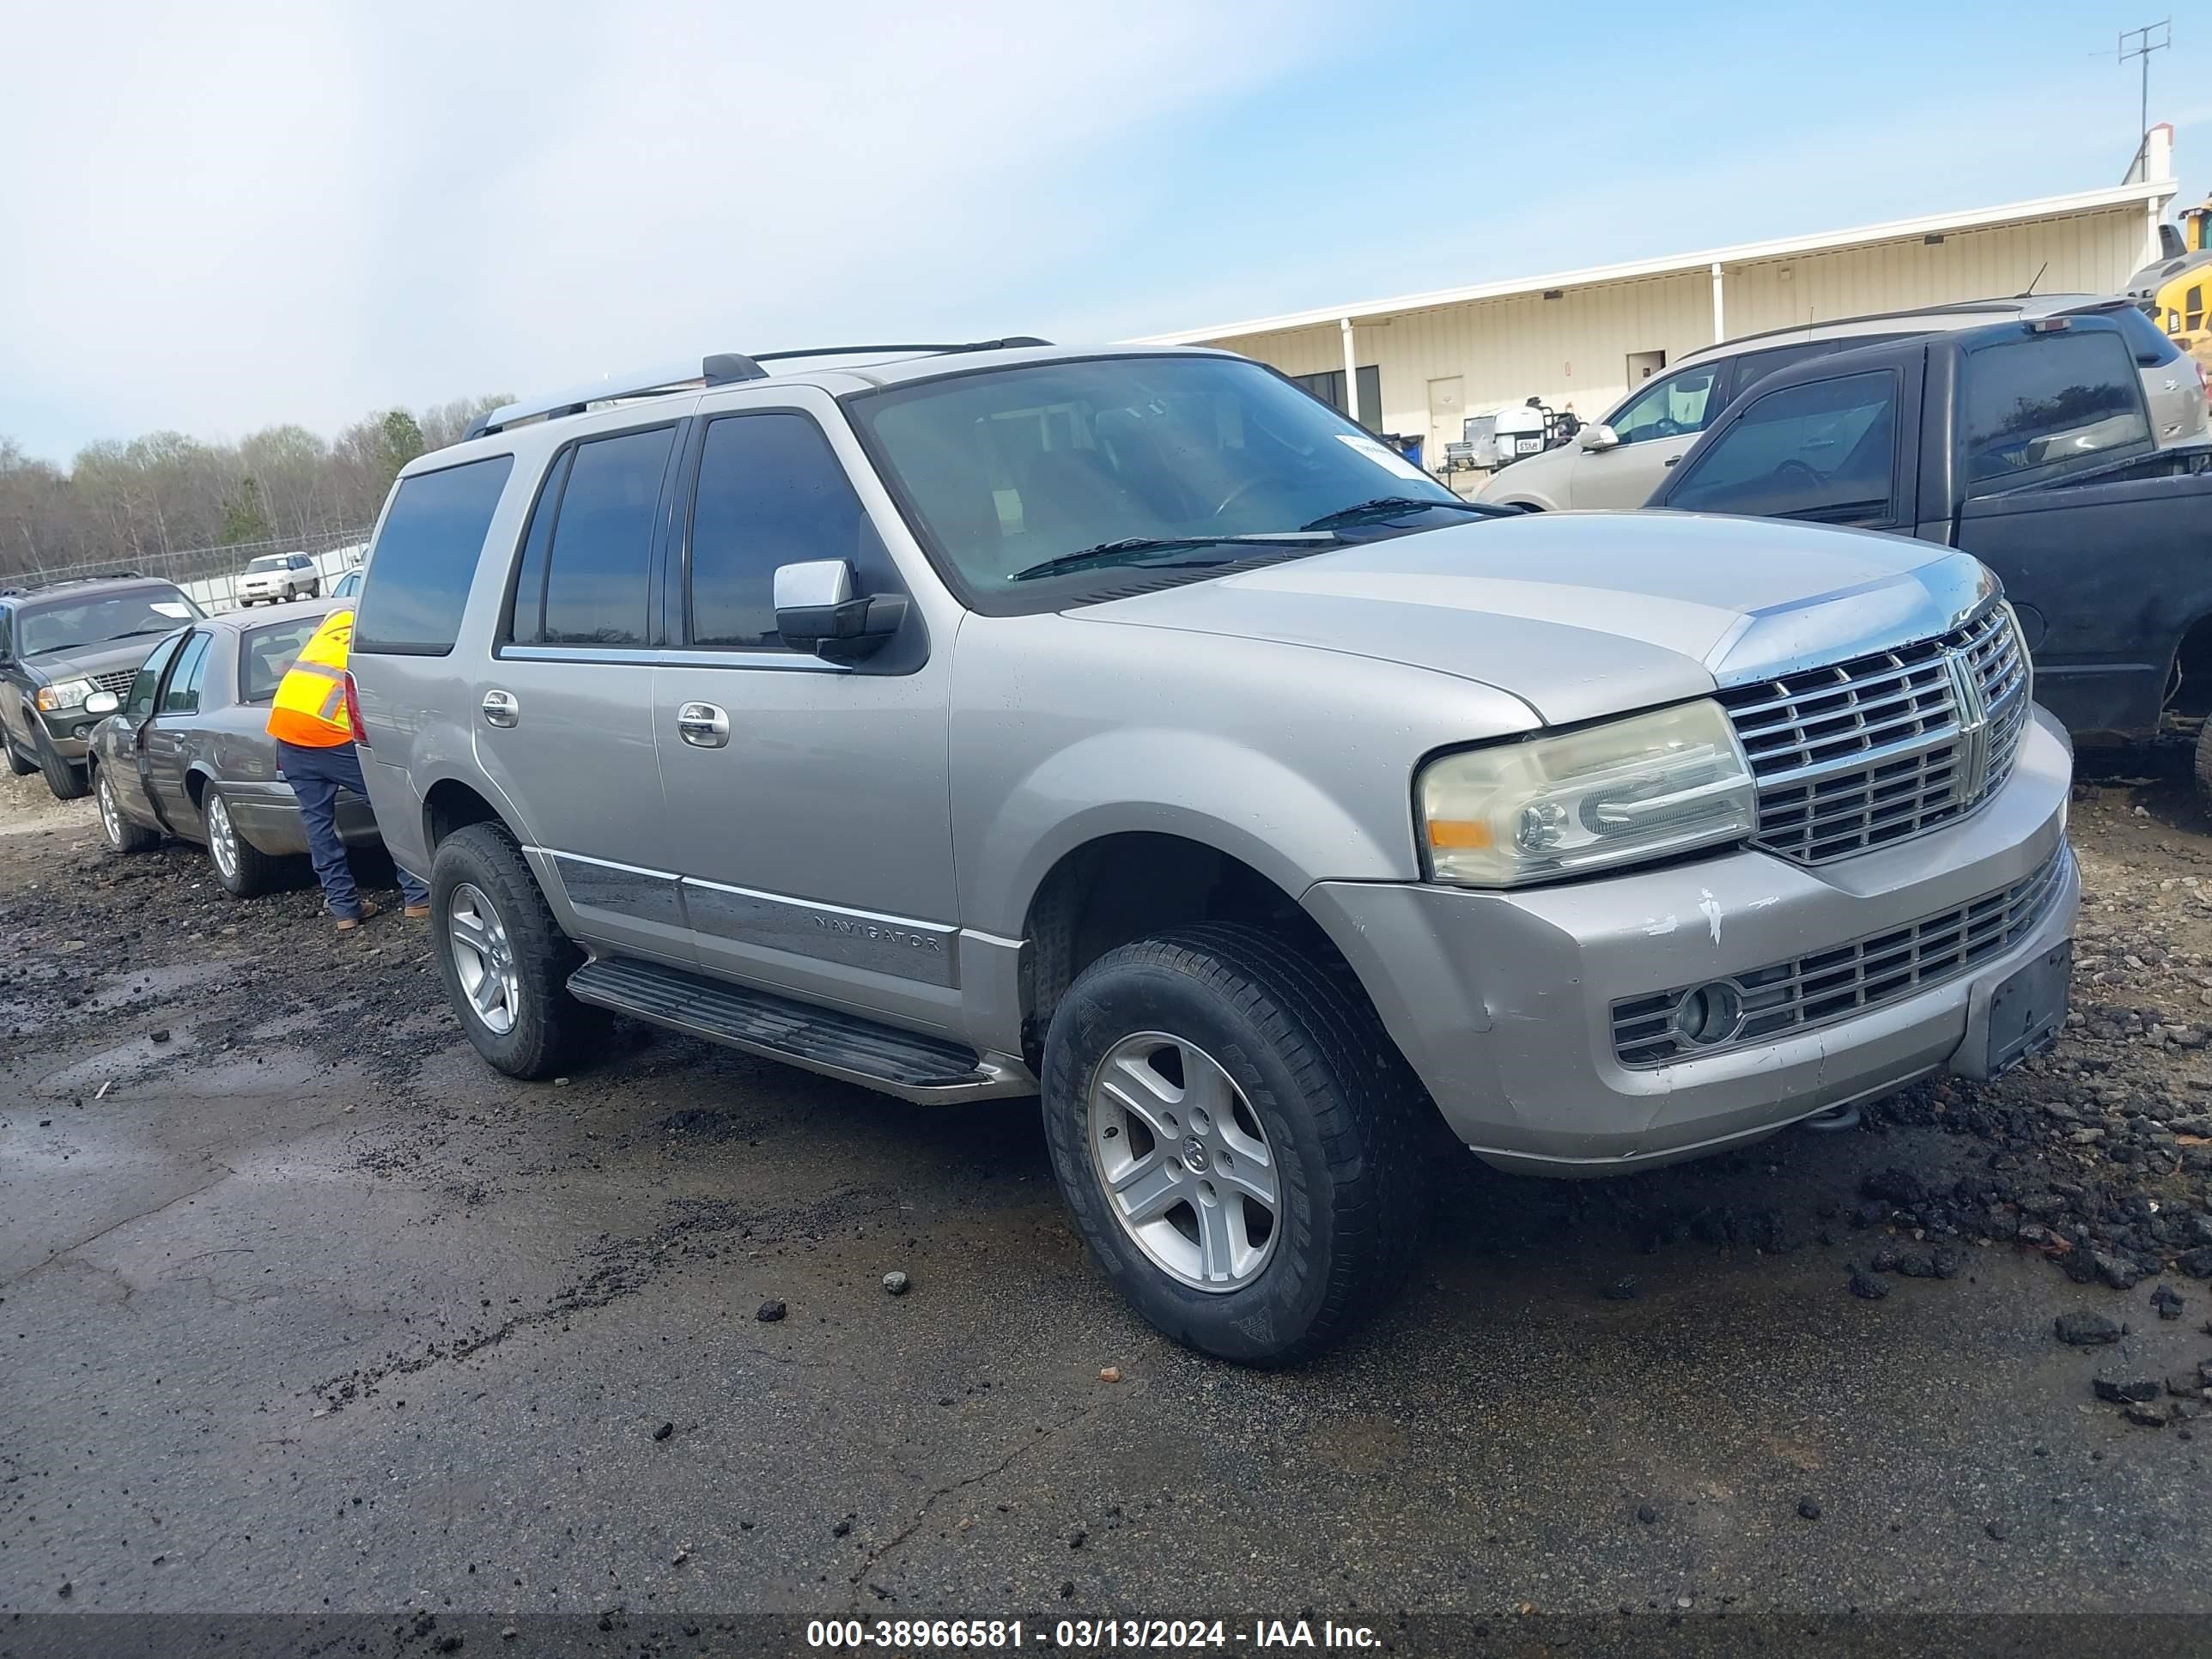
{"points": [[347, 924], [418, 913]]}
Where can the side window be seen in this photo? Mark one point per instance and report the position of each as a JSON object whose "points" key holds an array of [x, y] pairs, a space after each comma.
{"points": [[1824, 450], [140, 702], [426, 556], [1682, 403], [593, 573], [771, 492], [1755, 366], [7, 633], [182, 694], [2033, 408]]}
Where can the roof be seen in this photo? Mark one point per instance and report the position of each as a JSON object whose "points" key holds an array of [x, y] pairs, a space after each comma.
{"points": [[242, 621], [2155, 193]]}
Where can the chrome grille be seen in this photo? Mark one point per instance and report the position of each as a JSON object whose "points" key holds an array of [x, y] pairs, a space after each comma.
{"points": [[116, 680], [1882, 747], [1787, 997]]}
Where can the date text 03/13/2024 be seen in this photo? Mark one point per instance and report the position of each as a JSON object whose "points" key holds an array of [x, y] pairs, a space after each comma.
{"points": [[1082, 1635]]}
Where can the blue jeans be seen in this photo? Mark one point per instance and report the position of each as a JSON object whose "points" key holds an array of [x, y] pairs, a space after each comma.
{"points": [[316, 776]]}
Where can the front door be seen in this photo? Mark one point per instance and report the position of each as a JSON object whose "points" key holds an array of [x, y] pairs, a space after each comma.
{"points": [[161, 751], [564, 723], [1447, 419], [807, 805], [1656, 428]]}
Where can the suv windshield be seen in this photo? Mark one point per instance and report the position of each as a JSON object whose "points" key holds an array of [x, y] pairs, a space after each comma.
{"points": [[93, 621], [1160, 461]]}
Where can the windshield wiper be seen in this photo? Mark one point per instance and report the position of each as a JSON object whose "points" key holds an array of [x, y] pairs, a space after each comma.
{"points": [[1387, 506], [49, 650], [1130, 549]]}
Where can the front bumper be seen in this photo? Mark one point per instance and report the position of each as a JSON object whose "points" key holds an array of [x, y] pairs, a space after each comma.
{"points": [[70, 732], [1502, 1002]]}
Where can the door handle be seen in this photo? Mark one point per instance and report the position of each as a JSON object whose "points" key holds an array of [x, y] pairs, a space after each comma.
{"points": [[500, 708], [703, 725], [1671, 459]]}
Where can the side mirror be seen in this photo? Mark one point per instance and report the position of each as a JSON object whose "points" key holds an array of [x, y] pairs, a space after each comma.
{"points": [[816, 610], [102, 703], [1598, 435]]}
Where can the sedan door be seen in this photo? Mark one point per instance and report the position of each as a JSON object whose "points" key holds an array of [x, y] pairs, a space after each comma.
{"points": [[163, 746], [1655, 430], [117, 740], [807, 801]]}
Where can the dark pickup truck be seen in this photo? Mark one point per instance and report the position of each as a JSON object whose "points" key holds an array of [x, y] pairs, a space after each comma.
{"points": [[2029, 445]]}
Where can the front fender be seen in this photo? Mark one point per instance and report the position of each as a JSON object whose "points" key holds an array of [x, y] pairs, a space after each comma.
{"points": [[1234, 799]]}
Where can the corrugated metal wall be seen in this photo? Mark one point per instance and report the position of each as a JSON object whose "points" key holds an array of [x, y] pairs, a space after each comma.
{"points": [[1572, 352]]}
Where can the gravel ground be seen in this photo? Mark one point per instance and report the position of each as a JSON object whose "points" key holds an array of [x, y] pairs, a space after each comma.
{"points": [[306, 1312]]}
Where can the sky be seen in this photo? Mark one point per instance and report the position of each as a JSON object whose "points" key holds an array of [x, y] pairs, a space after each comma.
{"points": [[222, 216]]}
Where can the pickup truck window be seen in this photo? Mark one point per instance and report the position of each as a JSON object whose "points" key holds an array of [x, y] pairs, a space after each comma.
{"points": [[1822, 450], [1159, 461], [1671, 408], [771, 492], [2034, 409]]}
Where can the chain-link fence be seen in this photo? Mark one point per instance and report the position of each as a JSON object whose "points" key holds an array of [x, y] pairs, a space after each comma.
{"points": [[209, 575]]}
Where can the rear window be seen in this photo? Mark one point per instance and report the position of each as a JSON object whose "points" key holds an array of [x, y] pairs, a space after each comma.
{"points": [[2033, 408], [425, 557], [266, 653]]}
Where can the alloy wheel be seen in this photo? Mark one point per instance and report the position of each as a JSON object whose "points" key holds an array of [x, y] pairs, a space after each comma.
{"points": [[483, 959], [222, 836], [111, 818], [1184, 1162]]}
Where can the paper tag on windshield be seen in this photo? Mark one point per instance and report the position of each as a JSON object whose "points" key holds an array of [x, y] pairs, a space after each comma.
{"points": [[1380, 454], [170, 608]]}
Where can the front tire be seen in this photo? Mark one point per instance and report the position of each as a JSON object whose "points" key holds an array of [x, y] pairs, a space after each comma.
{"points": [[122, 836], [65, 779], [505, 961], [1238, 1139]]}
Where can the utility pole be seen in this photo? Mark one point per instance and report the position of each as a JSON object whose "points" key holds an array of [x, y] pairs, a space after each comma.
{"points": [[2152, 36]]}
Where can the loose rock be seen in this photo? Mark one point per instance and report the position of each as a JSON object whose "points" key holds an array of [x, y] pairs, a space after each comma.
{"points": [[2121, 1391], [897, 1284], [1865, 1285], [2086, 1330], [1808, 1509], [664, 1432], [770, 1310]]}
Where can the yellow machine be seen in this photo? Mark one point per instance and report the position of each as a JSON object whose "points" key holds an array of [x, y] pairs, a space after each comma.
{"points": [[2176, 290]]}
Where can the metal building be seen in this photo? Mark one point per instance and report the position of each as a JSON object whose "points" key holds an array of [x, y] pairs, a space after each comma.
{"points": [[1417, 365]]}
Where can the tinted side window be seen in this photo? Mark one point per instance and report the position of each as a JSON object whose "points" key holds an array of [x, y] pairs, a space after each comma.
{"points": [[140, 702], [597, 565], [183, 696], [2033, 408], [1824, 450], [7, 635], [771, 492], [426, 556], [1755, 366], [1681, 404], [2145, 337]]}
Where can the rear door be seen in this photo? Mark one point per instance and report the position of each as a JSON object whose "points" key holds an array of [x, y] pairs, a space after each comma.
{"points": [[565, 725]]}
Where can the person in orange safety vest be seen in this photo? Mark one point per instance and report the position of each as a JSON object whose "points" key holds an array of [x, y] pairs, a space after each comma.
{"points": [[314, 736]]}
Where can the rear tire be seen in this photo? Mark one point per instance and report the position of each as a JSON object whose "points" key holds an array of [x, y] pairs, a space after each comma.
{"points": [[2205, 765], [65, 778], [243, 869], [18, 762], [122, 836], [1339, 1120], [505, 961]]}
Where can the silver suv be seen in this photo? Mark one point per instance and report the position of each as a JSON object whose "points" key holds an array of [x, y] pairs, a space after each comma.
{"points": [[1127, 727]]}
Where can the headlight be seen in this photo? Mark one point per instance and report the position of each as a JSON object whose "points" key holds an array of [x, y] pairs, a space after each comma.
{"points": [[65, 694], [1633, 789]]}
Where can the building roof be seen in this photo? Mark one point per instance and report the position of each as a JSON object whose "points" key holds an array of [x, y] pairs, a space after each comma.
{"points": [[2154, 193]]}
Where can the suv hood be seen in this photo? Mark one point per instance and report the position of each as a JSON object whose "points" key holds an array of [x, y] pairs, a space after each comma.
{"points": [[87, 661], [1582, 615]]}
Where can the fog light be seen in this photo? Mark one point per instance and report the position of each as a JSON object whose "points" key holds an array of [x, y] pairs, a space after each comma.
{"points": [[1709, 1014]]}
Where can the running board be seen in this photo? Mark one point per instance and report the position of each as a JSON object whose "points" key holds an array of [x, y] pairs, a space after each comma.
{"points": [[827, 1040]]}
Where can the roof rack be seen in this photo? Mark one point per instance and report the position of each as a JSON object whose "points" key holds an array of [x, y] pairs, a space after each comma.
{"points": [[721, 368]]}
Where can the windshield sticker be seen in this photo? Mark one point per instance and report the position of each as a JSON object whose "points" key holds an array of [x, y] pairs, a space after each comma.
{"points": [[1380, 454], [170, 608]]}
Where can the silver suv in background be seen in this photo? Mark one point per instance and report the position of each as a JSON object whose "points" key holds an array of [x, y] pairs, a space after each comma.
{"points": [[1128, 728], [1622, 460]]}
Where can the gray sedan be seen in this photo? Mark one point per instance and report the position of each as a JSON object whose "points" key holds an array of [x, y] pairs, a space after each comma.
{"points": [[185, 752]]}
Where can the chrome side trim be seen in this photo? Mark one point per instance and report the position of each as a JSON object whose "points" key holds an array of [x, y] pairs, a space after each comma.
{"points": [[898, 945], [620, 889], [792, 662]]}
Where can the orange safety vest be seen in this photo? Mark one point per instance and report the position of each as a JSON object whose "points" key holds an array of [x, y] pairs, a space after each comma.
{"points": [[310, 707]]}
